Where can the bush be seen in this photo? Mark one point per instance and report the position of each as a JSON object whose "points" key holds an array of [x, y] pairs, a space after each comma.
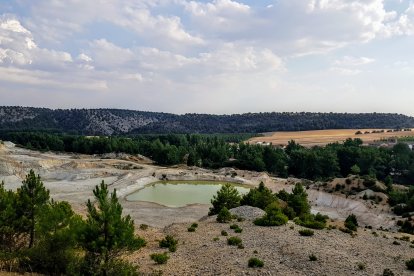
{"points": [[396, 243], [194, 225], [224, 233], [191, 229], [160, 258], [169, 242], [234, 241], [361, 266], [238, 230], [351, 222], [306, 232], [255, 262], [387, 272], [121, 267], [410, 264], [312, 258], [224, 215], [143, 227], [317, 221], [234, 226], [273, 217]]}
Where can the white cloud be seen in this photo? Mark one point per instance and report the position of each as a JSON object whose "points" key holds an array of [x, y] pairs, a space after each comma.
{"points": [[353, 61], [18, 48]]}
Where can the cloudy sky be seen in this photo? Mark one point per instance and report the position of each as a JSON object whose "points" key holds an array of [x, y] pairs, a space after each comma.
{"points": [[209, 56]]}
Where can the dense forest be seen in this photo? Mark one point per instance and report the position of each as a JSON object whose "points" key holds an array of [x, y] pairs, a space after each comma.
{"points": [[116, 121], [216, 151]]}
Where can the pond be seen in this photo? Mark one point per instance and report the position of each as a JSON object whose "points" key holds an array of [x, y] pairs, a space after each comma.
{"points": [[180, 193]]}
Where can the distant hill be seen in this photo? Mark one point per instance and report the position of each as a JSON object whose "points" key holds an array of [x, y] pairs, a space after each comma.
{"points": [[118, 121]]}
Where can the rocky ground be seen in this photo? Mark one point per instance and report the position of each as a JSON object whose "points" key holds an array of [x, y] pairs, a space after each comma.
{"points": [[282, 249]]}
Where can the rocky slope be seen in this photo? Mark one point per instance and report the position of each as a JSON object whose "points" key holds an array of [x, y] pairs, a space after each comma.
{"points": [[117, 121], [283, 250]]}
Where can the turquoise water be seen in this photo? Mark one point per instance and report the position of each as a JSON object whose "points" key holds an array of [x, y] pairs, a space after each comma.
{"points": [[180, 193]]}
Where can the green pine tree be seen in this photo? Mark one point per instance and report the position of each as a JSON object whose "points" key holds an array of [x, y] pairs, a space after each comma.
{"points": [[106, 234], [32, 197], [227, 196]]}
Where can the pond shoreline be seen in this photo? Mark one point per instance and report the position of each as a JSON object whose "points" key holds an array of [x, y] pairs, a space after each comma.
{"points": [[178, 193]]}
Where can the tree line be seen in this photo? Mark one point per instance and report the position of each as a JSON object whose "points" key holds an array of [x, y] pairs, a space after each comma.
{"points": [[216, 151]]}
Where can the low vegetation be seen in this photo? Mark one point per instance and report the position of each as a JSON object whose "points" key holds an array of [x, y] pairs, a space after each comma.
{"points": [[306, 232], [351, 222], [255, 262], [312, 258], [169, 242], [160, 258], [410, 264], [236, 241]]}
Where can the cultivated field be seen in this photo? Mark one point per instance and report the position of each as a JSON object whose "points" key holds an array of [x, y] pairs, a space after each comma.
{"points": [[323, 137]]}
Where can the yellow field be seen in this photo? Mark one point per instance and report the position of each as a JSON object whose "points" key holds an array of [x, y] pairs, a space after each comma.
{"points": [[323, 137]]}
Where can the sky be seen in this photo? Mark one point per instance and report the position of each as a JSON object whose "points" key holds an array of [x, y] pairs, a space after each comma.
{"points": [[209, 56]]}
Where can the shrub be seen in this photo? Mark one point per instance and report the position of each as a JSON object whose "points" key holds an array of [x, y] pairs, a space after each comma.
{"points": [[191, 229], [216, 239], [160, 258], [194, 225], [273, 217], [387, 272], [361, 266], [224, 215], [396, 243], [410, 264], [346, 230], [143, 227], [317, 221], [169, 242], [238, 230], [312, 258], [255, 262], [234, 241], [224, 233], [351, 222], [306, 232], [405, 238], [234, 226]]}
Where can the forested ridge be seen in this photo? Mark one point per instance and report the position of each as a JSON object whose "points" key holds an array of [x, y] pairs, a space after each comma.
{"points": [[118, 121]]}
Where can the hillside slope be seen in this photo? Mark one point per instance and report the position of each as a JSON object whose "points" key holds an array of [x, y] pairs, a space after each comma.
{"points": [[118, 121]]}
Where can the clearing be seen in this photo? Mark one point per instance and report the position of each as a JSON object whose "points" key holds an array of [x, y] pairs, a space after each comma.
{"points": [[323, 137]]}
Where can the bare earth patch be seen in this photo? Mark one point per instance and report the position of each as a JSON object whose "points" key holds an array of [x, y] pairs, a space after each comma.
{"points": [[323, 137]]}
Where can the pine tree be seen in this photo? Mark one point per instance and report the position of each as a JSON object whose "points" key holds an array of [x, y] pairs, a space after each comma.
{"points": [[32, 197], [227, 196], [106, 234]]}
